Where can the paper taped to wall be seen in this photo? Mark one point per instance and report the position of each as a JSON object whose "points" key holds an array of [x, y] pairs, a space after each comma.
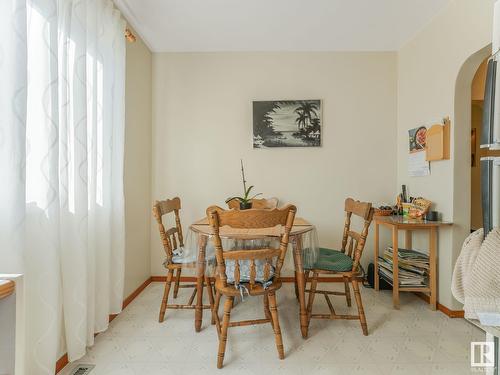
{"points": [[417, 165]]}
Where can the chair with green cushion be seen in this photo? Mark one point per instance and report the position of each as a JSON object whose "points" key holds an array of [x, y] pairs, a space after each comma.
{"points": [[344, 263]]}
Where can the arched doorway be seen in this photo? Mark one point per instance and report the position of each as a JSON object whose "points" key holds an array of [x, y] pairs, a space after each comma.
{"points": [[462, 148]]}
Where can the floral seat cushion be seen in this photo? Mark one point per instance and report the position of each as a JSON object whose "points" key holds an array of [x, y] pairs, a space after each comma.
{"points": [[245, 267]]}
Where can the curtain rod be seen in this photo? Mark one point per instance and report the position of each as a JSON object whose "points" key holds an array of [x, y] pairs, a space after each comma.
{"points": [[129, 35]]}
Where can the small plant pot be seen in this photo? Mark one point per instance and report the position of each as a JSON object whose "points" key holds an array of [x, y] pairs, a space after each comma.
{"points": [[245, 205]]}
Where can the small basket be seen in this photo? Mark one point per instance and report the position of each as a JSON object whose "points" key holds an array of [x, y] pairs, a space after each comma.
{"points": [[379, 212]]}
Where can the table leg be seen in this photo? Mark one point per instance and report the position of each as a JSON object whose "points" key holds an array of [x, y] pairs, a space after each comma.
{"points": [[395, 268], [408, 239], [299, 274], [200, 275], [433, 268], [375, 260]]}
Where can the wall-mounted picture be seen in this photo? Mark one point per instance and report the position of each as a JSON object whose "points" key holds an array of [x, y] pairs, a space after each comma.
{"points": [[287, 123], [417, 138]]}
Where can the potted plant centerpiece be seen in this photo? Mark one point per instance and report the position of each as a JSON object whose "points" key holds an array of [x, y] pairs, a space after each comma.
{"points": [[245, 201]]}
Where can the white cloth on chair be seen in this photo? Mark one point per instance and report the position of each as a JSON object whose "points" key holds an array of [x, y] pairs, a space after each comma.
{"points": [[482, 291], [465, 261], [476, 279]]}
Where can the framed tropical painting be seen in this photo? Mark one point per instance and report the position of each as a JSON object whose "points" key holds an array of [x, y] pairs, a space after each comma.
{"points": [[287, 123]]}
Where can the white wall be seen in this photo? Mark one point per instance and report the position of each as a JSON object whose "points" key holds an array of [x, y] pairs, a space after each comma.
{"points": [[137, 180], [202, 126], [428, 67]]}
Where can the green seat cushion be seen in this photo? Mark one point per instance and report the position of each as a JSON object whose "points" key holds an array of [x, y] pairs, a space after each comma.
{"points": [[332, 260]]}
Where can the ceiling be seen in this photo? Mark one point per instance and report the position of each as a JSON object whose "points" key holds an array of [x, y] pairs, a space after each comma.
{"points": [[278, 25]]}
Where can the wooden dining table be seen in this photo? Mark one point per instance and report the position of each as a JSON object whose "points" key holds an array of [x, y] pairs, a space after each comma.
{"points": [[300, 228]]}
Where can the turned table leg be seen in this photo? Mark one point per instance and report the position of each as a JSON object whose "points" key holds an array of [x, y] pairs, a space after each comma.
{"points": [[299, 274], [200, 276]]}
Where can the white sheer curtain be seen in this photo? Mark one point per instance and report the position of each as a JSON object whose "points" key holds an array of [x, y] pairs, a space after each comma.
{"points": [[62, 75]]}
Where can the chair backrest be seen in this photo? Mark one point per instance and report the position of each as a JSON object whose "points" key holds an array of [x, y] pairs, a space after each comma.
{"points": [[259, 220], [353, 242], [267, 203], [171, 238]]}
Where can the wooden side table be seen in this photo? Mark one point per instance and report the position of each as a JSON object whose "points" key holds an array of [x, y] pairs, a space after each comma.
{"points": [[395, 224]]}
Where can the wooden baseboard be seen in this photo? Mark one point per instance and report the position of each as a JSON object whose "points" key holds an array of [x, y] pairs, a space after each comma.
{"points": [[63, 361], [450, 313], [136, 292], [443, 308]]}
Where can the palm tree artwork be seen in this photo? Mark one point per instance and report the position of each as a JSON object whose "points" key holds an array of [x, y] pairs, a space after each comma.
{"points": [[301, 120], [287, 123], [307, 111]]}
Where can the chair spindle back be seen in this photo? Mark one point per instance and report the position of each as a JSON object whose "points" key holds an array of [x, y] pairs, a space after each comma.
{"points": [[354, 242], [171, 238], [251, 219]]}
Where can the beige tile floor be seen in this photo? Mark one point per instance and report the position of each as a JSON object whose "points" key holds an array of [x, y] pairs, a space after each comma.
{"points": [[413, 340]]}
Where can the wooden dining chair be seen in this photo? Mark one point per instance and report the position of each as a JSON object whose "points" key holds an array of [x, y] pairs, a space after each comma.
{"points": [[254, 271], [172, 240], [344, 263], [264, 203]]}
